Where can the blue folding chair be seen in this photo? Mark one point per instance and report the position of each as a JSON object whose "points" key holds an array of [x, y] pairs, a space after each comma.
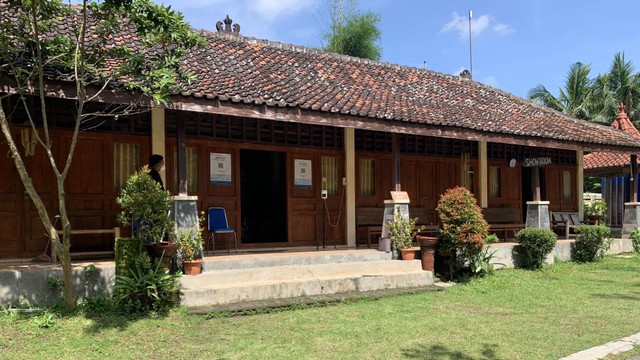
{"points": [[217, 224]]}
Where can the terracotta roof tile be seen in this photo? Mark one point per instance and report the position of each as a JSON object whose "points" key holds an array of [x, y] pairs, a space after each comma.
{"points": [[243, 69], [326, 82], [600, 160]]}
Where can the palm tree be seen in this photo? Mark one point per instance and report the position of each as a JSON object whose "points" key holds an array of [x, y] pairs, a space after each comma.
{"points": [[574, 98], [619, 85]]}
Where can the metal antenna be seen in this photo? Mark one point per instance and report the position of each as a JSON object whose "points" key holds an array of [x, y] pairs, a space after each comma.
{"points": [[470, 52]]}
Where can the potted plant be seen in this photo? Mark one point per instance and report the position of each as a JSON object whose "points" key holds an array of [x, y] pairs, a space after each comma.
{"points": [[595, 210], [190, 249], [145, 206], [402, 231]]}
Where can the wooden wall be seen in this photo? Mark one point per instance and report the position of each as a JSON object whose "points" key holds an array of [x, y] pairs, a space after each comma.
{"points": [[90, 192]]}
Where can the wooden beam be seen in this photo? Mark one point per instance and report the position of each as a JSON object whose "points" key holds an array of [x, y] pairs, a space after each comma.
{"points": [[307, 116]]}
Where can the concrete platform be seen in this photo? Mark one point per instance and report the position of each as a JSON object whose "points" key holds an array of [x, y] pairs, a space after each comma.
{"points": [[255, 277]]}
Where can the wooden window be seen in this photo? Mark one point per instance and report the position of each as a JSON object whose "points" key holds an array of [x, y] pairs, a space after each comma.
{"points": [[367, 177], [330, 174], [126, 160], [495, 182], [567, 185], [192, 169]]}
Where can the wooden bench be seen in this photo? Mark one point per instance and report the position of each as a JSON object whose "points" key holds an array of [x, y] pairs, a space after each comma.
{"points": [[370, 219], [563, 222], [503, 220], [115, 231]]}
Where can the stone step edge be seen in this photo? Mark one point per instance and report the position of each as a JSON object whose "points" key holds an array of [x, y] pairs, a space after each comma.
{"points": [[211, 264], [399, 264], [298, 280], [240, 307]]}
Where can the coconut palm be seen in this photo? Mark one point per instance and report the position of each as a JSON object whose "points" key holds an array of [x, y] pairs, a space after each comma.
{"points": [[574, 97], [620, 85]]}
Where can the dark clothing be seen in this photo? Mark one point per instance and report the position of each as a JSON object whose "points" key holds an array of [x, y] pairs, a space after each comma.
{"points": [[156, 176]]}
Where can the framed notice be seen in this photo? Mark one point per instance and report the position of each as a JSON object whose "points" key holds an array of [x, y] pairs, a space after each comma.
{"points": [[220, 169], [302, 174]]}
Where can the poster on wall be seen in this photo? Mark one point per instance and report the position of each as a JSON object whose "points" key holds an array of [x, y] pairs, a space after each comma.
{"points": [[220, 169], [302, 171]]}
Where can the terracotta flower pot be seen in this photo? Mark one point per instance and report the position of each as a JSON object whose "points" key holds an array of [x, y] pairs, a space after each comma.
{"points": [[192, 267], [408, 254]]}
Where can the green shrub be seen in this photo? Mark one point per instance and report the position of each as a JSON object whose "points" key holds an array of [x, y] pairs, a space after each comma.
{"points": [[463, 230], [147, 287], [592, 242], [534, 244], [635, 239], [125, 252]]}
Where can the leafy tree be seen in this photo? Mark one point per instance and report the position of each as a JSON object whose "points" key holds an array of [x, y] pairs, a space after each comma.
{"points": [[352, 33], [41, 37]]}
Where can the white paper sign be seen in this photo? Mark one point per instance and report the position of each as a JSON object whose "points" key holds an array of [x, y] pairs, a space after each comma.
{"points": [[220, 169], [302, 171]]}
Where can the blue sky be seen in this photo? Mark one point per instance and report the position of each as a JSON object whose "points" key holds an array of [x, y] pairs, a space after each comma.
{"points": [[517, 44]]}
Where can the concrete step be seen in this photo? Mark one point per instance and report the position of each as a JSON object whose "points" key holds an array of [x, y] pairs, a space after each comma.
{"points": [[259, 260], [220, 287]]}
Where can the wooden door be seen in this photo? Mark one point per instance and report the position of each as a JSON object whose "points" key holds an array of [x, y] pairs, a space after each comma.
{"points": [[11, 205]]}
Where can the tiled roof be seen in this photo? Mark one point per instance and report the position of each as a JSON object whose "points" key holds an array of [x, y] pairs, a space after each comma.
{"points": [[248, 70], [599, 160], [237, 69]]}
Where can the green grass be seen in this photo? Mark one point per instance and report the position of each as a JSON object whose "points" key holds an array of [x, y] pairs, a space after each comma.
{"points": [[515, 314]]}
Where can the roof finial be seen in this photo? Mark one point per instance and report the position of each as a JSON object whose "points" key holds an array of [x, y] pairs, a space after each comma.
{"points": [[621, 108], [227, 26]]}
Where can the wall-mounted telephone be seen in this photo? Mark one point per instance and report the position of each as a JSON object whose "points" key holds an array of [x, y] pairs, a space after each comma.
{"points": [[324, 193]]}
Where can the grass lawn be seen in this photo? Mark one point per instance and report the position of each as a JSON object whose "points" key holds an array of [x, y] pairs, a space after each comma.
{"points": [[514, 314]]}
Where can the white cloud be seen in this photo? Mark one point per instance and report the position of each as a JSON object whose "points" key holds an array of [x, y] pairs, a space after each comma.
{"points": [[479, 25]]}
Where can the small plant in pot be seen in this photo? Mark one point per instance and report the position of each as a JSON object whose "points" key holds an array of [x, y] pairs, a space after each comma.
{"points": [[595, 210], [190, 249], [402, 231], [145, 207]]}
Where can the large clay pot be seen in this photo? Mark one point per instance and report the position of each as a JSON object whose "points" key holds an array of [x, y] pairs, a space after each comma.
{"points": [[428, 250], [192, 267], [164, 251]]}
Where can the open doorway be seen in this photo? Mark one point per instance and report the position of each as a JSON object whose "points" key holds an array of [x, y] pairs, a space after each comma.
{"points": [[263, 196]]}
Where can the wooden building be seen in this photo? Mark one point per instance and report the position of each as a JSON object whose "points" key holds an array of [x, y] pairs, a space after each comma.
{"points": [[266, 126]]}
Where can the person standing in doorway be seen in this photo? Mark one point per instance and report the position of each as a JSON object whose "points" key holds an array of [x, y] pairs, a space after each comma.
{"points": [[156, 164]]}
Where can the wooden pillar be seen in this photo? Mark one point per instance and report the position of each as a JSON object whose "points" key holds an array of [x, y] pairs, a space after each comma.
{"points": [[535, 177], [158, 135], [182, 156], [483, 181], [580, 182], [350, 195], [634, 174], [396, 161]]}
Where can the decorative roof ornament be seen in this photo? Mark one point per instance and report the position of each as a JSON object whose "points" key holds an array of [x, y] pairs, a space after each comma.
{"points": [[465, 74], [227, 26]]}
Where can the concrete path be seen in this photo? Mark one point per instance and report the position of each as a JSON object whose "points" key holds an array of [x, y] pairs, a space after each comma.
{"points": [[611, 348]]}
